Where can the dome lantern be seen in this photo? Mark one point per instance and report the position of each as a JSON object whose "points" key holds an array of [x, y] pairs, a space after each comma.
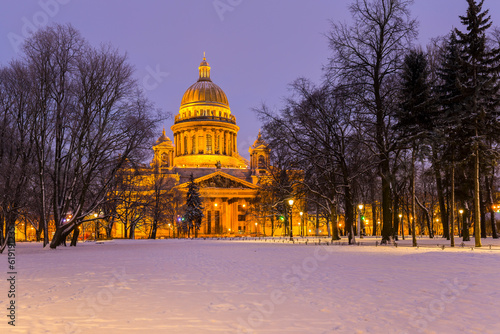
{"points": [[204, 70]]}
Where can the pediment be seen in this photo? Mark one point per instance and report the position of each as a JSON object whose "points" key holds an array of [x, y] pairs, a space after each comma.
{"points": [[222, 180]]}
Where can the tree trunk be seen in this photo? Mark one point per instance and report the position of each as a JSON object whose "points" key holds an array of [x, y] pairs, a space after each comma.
{"points": [[349, 219], [74, 238], [483, 215], [335, 226], [317, 219], [413, 211], [153, 230], [396, 215], [427, 217], [386, 203], [452, 206], [440, 194], [465, 225], [131, 233], [374, 218], [477, 214], [489, 194], [60, 235]]}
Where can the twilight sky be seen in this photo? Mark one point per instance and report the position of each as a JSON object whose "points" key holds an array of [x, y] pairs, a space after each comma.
{"points": [[255, 47]]}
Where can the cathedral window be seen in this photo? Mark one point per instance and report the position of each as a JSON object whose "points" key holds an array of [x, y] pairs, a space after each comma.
{"points": [[262, 162], [193, 144], [164, 160], [209, 144], [185, 145]]}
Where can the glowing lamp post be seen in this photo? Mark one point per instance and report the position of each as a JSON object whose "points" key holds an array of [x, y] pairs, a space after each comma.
{"points": [[460, 219], [360, 207], [290, 202]]}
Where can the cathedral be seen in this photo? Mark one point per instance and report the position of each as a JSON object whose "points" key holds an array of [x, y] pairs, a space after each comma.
{"points": [[205, 145]]}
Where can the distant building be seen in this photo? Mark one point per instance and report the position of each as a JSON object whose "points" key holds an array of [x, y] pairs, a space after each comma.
{"points": [[205, 145]]}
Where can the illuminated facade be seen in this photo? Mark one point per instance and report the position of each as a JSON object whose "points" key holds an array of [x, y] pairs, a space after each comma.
{"points": [[205, 145]]}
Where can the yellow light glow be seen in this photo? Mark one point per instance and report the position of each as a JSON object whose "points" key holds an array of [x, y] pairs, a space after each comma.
{"points": [[290, 202], [301, 213], [215, 204], [360, 206]]}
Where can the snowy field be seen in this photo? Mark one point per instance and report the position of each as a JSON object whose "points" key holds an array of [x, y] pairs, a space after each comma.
{"points": [[216, 286]]}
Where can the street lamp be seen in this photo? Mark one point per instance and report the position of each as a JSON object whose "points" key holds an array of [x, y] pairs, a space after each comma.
{"points": [[360, 207], [402, 226], [169, 229], [290, 201], [460, 221], [256, 233], [96, 226]]}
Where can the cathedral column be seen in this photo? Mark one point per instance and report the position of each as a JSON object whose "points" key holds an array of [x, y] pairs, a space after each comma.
{"points": [[224, 141], [176, 144], [204, 140], [235, 144], [182, 143], [213, 134], [190, 142]]}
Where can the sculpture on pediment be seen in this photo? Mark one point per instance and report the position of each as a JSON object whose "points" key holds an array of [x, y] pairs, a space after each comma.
{"points": [[219, 181]]}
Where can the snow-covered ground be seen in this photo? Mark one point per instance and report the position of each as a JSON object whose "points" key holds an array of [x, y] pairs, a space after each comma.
{"points": [[229, 286]]}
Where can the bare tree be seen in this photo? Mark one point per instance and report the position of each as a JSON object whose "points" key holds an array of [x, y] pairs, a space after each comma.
{"points": [[16, 149], [89, 118], [365, 57]]}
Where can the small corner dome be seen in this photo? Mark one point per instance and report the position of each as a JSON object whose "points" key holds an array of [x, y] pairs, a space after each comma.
{"points": [[163, 138]]}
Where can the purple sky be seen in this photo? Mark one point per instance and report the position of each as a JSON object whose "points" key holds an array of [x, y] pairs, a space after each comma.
{"points": [[255, 47]]}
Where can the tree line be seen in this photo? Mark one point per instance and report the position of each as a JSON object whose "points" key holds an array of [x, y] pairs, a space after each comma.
{"points": [[414, 133], [72, 116]]}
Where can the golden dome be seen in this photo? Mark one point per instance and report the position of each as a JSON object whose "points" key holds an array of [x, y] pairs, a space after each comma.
{"points": [[204, 91], [259, 141], [163, 138]]}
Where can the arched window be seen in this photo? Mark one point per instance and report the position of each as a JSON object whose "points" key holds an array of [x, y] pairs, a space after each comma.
{"points": [[209, 144], [164, 159], [262, 162]]}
